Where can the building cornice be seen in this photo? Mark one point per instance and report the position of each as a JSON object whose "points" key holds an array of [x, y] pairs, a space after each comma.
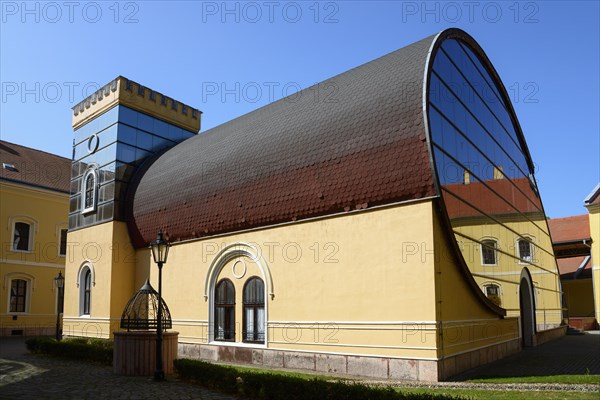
{"points": [[140, 98]]}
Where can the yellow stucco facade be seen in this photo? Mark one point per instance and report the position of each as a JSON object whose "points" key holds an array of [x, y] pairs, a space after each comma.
{"points": [[339, 264], [106, 251], [348, 285], [30, 273], [594, 217], [508, 269]]}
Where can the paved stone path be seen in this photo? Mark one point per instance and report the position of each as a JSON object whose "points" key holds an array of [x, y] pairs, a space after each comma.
{"points": [[25, 376], [569, 355]]}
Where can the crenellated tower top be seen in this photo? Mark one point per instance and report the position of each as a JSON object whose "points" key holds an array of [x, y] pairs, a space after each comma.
{"points": [[140, 98]]}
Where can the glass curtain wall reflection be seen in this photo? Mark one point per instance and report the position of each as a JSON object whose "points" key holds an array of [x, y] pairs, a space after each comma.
{"points": [[487, 184]]}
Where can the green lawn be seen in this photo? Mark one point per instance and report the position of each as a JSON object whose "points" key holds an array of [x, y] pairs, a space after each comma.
{"points": [[477, 394], [541, 379], [506, 395]]}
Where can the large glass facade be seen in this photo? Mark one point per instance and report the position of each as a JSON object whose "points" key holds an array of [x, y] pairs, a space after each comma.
{"points": [[487, 183], [114, 144]]}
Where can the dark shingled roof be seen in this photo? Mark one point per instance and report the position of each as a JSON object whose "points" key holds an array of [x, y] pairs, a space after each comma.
{"points": [[34, 167], [298, 157]]}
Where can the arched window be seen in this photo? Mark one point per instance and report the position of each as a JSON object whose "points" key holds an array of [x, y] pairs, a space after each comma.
{"points": [[22, 236], [489, 255], [492, 291], [89, 191], [225, 311], [254, 311], [18, 296], [85, 290], [525, 248]]}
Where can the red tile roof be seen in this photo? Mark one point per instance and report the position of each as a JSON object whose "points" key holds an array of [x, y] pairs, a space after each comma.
{"points": [[478, 194], [34, 167], [570, 264], [567, 267], [569, 229], [297, 158]]}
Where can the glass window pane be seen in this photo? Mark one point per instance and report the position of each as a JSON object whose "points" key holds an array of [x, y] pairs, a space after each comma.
{"points": [[21, 237]]}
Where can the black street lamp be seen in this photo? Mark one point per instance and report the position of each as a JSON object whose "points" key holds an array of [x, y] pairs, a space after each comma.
{"points": [[60, 284], [160, 251]]}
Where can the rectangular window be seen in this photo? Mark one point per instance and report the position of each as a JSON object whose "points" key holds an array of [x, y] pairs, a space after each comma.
{"points": [[492, 290], [488, 252], [22, 239], [493, 293], [62, 248], [525, 251], [18, 295], [225, 323]]}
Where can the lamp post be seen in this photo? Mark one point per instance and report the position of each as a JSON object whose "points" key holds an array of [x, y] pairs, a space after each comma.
{"points": [[60, 283], [160, 251]]}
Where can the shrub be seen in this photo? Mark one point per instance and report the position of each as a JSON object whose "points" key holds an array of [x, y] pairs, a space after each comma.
{"points": [[85, 349], [264, 385]]}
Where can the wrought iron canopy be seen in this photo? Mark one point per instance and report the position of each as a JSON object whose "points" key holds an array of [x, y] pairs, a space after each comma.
{"points": [[141, 311]]}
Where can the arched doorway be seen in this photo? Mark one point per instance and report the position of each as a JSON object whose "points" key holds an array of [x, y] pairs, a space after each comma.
{"points": [[527, 308]]}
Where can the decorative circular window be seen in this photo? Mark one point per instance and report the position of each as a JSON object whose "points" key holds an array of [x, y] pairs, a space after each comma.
{"points": [[93, 143], [238, 269]]}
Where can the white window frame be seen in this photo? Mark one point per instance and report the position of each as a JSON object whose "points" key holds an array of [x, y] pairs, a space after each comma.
{"points": [[81, 285], [9, 278], [33, 228], [491, 283], [488, 284], [496, 253], [522, 260], [93, 172], [228, 253]]}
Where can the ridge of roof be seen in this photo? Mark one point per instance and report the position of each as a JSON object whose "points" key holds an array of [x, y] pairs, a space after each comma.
{"points": [[33, 149], [593, 197], [33, 167], [569, 229], [296, 158]]}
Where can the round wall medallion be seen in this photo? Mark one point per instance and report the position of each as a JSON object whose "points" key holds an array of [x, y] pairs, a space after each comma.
{"points": [[93, 143], [238, 269]]}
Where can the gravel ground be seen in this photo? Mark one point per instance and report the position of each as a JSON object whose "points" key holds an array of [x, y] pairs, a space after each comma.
{"points": [[491, 386]]}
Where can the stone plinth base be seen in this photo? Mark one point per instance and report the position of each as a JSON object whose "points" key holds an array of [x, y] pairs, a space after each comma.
{"points": [[364, 366], [548, 335], [135, 352]]}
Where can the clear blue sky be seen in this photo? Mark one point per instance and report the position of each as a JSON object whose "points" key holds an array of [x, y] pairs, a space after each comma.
{"points": [[230, 58]]}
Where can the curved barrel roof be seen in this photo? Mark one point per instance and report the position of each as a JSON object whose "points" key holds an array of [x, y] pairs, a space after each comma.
{"points": [[360, 143]]}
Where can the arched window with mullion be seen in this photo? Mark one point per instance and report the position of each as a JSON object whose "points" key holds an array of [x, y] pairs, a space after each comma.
{"points": [[89, 191], [87, 291], [224, 311], [254, 311]]}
